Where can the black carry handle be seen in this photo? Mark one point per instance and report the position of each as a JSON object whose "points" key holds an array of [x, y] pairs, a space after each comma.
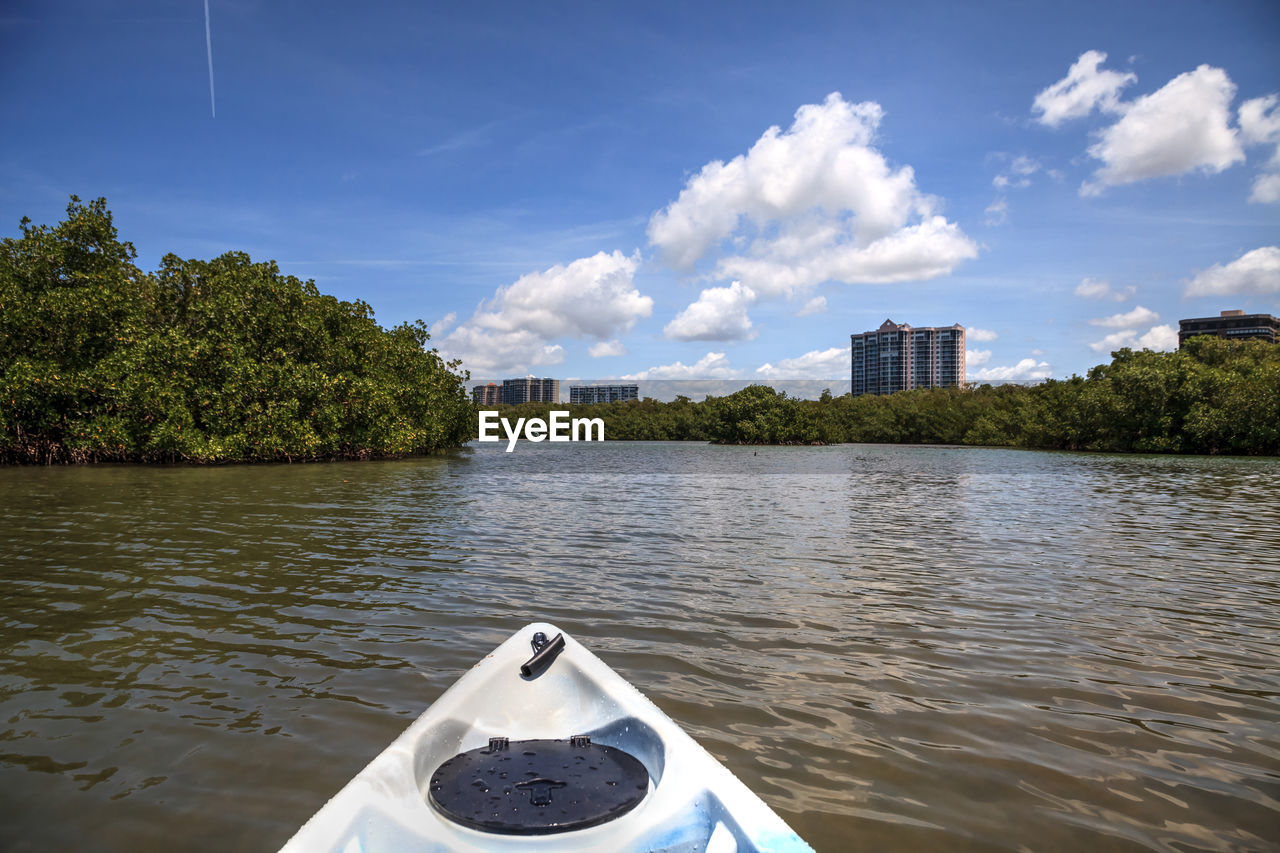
{"points": [[544, 652]]}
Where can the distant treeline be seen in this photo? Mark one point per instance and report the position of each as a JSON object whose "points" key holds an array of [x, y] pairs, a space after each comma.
{"points": [[202, 361], [1211, 396]]}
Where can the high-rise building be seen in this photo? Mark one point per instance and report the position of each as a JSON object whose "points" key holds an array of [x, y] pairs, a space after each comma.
{"points": [[898, 357], [486, 395], [1235, 325], [603, 393], [530, 390]]}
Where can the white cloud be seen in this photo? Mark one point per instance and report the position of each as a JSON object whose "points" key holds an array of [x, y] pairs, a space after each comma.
{"points": [[485, 350], [1158, 338], [1024, 165], [818, 364], [1016, 177], [976, 357], [713, 365], [823, 160], [982, 335], [1115, 341], [444, 324], [607, 348], [1260, 120], [1181, 127], [1137, 317], [590, 298], [813, 203], [1257, 271], [816, 305], [1266, 189], [1083, 89], [997, 212], [929, 249], [1019, 174], [1260, 125], [719, 314], [1092, 288], [1027, 369]]}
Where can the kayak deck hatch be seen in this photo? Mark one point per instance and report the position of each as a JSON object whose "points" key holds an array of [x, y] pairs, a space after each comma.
{"points": [[537, 787]]}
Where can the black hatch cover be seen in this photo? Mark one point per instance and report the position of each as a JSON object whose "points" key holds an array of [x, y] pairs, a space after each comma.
{"points": [[537, 787]]}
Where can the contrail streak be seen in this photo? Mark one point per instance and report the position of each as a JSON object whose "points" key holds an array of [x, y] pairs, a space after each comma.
{"points": [[208, 43]]}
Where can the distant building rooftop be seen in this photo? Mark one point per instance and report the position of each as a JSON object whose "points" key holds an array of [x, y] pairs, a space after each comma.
{"points": [[1233, 324]]}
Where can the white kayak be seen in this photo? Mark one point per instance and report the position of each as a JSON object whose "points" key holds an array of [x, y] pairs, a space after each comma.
{"points": [[541, 746]]}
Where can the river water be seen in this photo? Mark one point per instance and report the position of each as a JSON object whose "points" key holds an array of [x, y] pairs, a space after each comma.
{"points": [[898, 648]]}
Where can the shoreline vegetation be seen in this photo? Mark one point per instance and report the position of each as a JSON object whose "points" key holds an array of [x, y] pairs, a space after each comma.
{"points": [[202, 361], [1213, 396], [228, 360]]}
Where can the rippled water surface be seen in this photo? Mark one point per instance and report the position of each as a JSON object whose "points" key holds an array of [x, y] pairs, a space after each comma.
{"points": [[897, 647]]}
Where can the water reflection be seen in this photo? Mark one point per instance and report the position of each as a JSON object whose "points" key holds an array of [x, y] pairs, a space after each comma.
{"points": [[907, 646]]}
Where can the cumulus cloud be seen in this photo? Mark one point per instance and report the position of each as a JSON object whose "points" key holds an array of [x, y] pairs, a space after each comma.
{"points": [[929, 249], [713, 365], [1266, 189], [590, 298], [1115, 341], [1092, 288], [1160, 338], [817, 364], [815, 202], [1260, 120], [607, 348], [1257, 271], [976, 357], [444, 324], [976, 334], [719, 314], [1182, 127], [1137, 317], [816, 305], [1260, 125], [1084, 88], [1026, 369], [487, 350]]}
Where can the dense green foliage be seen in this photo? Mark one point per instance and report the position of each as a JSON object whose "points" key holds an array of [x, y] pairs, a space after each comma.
{"points": [[1211, 396], [204, 361]]}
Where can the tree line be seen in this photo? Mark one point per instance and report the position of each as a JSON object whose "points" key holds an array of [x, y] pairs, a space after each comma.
{"points": [[1212, 396], [224, 360], [228, 360]]}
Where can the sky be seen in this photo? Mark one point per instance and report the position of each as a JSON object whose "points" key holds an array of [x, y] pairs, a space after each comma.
{"points": [[658, 190]]}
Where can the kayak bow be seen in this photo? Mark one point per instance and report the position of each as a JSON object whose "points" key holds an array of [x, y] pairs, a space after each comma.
{"points": [[553, 751]]}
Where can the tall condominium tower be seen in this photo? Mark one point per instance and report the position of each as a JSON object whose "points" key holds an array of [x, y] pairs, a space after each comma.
{"points": [[897, 357], [486, 395], [530, 390]]}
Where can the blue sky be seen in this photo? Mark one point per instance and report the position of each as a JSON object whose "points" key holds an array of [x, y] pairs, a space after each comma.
{"points": [[689, 190]]}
